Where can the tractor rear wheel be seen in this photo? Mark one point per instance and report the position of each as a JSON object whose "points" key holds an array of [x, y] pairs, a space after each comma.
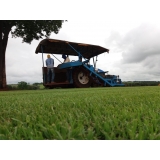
{"points": [[81, 78]]}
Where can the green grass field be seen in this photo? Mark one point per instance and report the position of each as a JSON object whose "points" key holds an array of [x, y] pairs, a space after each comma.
{"points": [[91, 113]]}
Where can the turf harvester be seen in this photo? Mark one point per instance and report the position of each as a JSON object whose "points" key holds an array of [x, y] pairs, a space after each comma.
{"points": [[77, 73]]}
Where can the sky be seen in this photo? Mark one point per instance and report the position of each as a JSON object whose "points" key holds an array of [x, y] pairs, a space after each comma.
{"points": [[129, 29]]}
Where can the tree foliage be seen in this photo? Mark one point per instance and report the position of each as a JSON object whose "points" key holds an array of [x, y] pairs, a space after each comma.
{"points": [[22, 85], [27, 30], [141, 83], [35, 29]]}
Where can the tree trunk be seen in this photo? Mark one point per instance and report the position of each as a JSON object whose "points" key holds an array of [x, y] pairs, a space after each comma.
{"points": [[3, 45], [1, 56]]}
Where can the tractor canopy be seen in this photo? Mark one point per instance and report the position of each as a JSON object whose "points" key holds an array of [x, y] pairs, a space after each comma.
{"points": [[55, 46]]}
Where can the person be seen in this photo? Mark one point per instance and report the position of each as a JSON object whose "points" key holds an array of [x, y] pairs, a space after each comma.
{"points": [[50, 69], [66, 58], [68, 73]]}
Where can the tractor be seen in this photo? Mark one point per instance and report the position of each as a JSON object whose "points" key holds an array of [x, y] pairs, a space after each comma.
{"points": [[80, 72]]}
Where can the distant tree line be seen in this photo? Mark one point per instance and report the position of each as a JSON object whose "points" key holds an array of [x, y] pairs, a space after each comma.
{"points": [[35, 86], [24, 86], [141, 83]]}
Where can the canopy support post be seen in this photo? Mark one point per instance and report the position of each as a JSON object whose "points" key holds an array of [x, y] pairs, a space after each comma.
{"points": [[43, 76]]}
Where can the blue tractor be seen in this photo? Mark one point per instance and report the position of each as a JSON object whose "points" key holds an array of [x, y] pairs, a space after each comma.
{"points": [[79, 73]]}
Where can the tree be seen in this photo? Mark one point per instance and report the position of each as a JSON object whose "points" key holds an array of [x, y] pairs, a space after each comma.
{"points": [[22, 85], [27, 30]]}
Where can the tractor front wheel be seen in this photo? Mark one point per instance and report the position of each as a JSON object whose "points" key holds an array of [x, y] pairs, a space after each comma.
{"points": [[81, 78]]}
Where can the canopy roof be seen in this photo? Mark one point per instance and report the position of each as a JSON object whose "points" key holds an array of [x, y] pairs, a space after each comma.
{"points": [[55, 46]]}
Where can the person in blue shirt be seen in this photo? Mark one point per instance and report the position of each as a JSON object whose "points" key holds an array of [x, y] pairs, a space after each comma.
{"points": [[50, 69]]}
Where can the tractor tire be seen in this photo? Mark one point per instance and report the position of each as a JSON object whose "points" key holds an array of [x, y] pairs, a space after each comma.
{"points": [[81, 78]]}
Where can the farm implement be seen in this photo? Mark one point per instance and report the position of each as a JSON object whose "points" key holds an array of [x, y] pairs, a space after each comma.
{"points": [[77, 73]]}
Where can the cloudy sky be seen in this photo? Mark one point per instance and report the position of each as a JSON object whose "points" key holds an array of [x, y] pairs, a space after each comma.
{"points": [[129, 29]]}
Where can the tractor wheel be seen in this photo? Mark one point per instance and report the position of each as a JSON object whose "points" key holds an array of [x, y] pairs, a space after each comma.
{"points": [[81, 78]]}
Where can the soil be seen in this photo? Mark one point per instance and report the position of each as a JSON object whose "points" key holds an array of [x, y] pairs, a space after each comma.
{"points": [[6, 89]]}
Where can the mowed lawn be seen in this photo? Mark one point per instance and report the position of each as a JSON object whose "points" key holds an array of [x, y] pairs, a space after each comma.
{"points": [[87, 113]]}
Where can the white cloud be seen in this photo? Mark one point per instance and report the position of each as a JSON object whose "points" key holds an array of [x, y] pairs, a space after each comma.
{"points": [[140, 52]]}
